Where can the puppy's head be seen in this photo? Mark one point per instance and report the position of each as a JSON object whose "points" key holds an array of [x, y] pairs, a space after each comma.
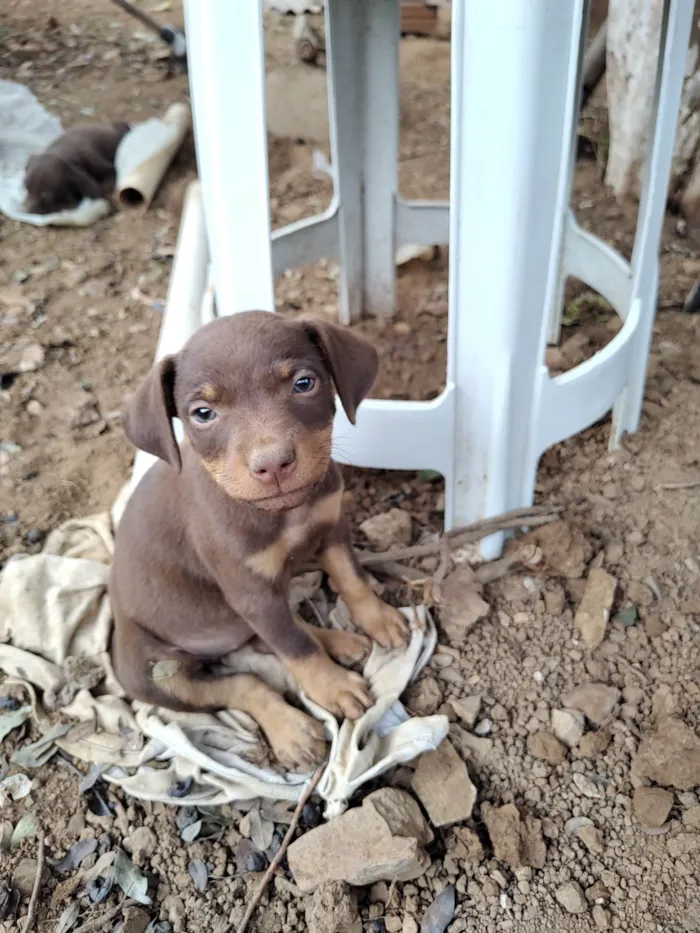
{"points": [[54, 184], [256, 396]]}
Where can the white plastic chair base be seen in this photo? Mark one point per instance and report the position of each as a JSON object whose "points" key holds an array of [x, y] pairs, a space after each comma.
{"points": [[516, 71]]}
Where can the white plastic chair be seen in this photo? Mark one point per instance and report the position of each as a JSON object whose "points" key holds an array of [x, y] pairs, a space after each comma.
{"points": [[516, 67]]}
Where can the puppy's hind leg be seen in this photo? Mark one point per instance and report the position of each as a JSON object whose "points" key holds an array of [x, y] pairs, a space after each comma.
{"points": [[185, 684]]}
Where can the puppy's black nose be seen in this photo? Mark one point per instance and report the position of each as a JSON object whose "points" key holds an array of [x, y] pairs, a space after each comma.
{"points": [[273, 466]]}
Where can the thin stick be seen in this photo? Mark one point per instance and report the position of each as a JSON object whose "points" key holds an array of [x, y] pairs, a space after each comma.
{"points": [[34, 901], [518, 518], [92, 925], [250, 909], [690, 485]]}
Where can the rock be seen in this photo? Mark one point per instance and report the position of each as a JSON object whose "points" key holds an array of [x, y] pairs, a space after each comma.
{"points": [[467, 709], [141, 844], [594, 743], [469, 847], [32, 358], [587, 786], [595, 701], [594, 611], [332, 909], [516, 842], [684, 844], [566, 551], [24, 875], [567, 726], [391, 529], [34, 408], [393, 923], [484, 727], [136, 919], [663, 703], [652, 805], [424, 697], [472, 747], [380, 841], [410, 925], [463, 605], [691, 817], [571, 898], [670, 756], [547, 747], [600, 917], [441, 781], [503, 825], [592, 838], [533, 847]]}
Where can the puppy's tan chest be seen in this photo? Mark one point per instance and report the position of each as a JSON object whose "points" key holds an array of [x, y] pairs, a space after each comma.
{"points": [[299, 532]]}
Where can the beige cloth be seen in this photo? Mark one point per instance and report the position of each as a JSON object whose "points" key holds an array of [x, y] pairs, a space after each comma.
{"points": [[54, 609]]}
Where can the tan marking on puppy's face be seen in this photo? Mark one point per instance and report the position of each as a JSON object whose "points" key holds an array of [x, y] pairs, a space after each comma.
{"points": [[272, 561]]}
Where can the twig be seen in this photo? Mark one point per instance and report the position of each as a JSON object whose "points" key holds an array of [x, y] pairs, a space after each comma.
{"points": [[693, 484], [92, 925], [34, 901], [250, 909], [518, 518]]}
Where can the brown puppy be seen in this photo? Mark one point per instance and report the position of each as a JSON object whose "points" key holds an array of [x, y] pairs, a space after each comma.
{"points": [[212, 534], [79, 164]]}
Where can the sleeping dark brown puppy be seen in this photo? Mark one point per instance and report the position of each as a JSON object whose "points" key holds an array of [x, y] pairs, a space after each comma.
{"points": [[79, 164], [212, 534]]}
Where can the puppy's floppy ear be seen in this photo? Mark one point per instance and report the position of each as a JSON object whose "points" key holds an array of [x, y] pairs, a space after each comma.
{"points": [[148, 421], [351, 360]]}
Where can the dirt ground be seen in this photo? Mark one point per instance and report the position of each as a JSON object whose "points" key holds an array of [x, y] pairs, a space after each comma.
{"points": [[91, 301]]}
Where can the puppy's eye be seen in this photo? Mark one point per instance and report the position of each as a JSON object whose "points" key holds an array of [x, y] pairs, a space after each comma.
{"points": [[304, 384], [203, 415]]}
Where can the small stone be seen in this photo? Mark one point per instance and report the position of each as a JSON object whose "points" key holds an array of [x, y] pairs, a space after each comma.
{"points": [[683, 844], [670, 755], [595, 701], [34, 408], [571, 898], [380, 841], [652, 805], [547, 747], [594, 744], [467, 709], [441, 781], [24, 876], [567, 726], [503, 825], [483, 728], [333, 908], [516, 841], [469, 847], [600, 917], [32, 358], [393, 923], [424, 697], [639, 593], [592, 838], [463, 605], [593, 613], [141, 844], [409, 925], [691, 817], [565, 550], [390, 529], [136, 919]]}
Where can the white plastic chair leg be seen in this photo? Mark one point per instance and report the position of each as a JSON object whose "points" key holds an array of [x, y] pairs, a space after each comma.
{"points": [[227, 80], [514, 69], [363, 91]]}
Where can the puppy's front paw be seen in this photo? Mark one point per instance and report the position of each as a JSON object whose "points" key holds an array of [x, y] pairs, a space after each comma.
{"points": [[343, 693], [382, 622], [297, 741], [346, 647]]}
